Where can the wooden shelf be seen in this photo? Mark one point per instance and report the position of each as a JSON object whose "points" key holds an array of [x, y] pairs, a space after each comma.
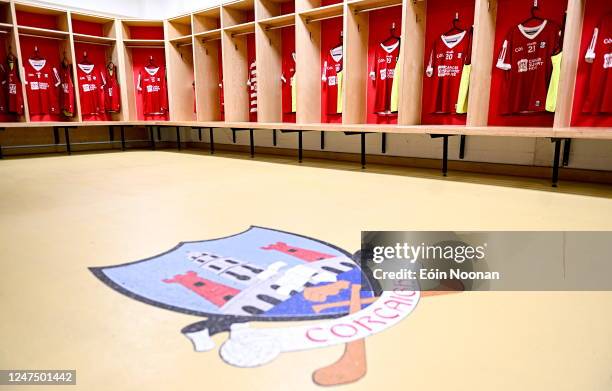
{"points": [[209, 35], [143, 22], [91, 18], [241, 5], [243, 28], [214, 12], [42, 32], [367, 5], [6, 26], [93, 39], [143, 42], [328, 11], [182, 40], [278, 22]]}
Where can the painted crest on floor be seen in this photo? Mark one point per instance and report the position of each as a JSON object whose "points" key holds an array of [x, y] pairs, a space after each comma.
{"points": [[267, 275]]}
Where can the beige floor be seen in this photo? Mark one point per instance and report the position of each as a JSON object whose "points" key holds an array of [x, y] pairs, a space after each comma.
{"points": [[59, 215]]}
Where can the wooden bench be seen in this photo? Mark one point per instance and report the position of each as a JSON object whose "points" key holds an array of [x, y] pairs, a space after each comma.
{"points": [[434, 131]]}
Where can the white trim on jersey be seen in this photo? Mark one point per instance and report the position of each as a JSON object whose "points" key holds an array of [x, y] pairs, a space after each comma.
{"points": [[501, 61], [429, 71], [590, 54], [336, 53], [152, 71], [87, 68], [390, 48], [453, 40], [138, 84], [57, 77], [38, 65], [532, 32]]}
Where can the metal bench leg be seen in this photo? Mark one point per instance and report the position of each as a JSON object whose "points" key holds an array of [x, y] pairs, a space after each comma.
{"points": [[363, 151], [200, 134], [234, 136], [274, 137], [300, 145], [252, 142], [178, 138], [152, 137], [212, 141], [462, 147], [122, 138], [67, 136], [555, 173], [56, 137], [322, 140], [445, 155], [384, 143], [567, 146]]}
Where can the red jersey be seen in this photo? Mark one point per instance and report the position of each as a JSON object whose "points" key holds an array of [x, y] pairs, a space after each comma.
{"points": [[385, 61], [332, 69], [599, 54], [14, 89], [90, 89], [4, 91], [112, 92], [252, 90], [67, 92], [152, 85], [288, 79], [526, 59], [41, 87], [445, 67]]}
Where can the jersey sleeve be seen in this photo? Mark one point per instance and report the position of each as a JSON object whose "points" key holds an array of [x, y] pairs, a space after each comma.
{"points": [[503, 61], [374, 70], [164, 95], [429, 70], [139, 82], [590, 54], [58, 81], [324, 72]]}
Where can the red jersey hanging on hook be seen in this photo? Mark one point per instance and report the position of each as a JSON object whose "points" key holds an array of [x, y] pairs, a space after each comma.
{"points": [[90, 87], [385, 61], [289, 92], [42, 82], [526, 57], [112, 91], [449, 54], [152, 86], [333, 77], [13, 87], [4, 92], [599, 55], [67, 89]]}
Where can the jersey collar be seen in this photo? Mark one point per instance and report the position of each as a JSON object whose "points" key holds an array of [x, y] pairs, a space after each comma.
{"points": [[453, 40], [336, 53], [152, 71], [87, 68], [391, 47], [37, 64], [532, 32]]}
